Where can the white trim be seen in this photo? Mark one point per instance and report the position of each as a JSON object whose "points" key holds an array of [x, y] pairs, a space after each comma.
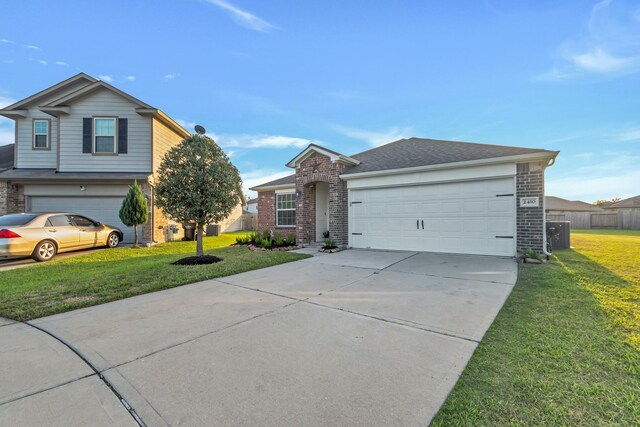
{"points": [[494, 160], [47, 134], [115, 135], [273, 187], [335, 157], [286, 209], [286, 191]]}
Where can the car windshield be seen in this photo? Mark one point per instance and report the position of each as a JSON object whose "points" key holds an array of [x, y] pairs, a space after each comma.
{"points": [[15, 219]]}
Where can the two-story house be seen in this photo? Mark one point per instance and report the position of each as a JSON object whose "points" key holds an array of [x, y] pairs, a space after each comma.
{"points": [[80, 144]]}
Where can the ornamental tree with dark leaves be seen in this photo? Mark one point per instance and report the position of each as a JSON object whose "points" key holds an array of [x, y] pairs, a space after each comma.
{"points": [[197, 182]]}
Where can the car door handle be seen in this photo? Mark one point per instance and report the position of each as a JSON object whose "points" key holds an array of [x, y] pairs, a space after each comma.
{"points": [[423, 224], [417, 224], [53, 230]]}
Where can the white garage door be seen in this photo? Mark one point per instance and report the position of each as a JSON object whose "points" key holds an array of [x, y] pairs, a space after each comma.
{"points": [[103, 209], [472, 217]]}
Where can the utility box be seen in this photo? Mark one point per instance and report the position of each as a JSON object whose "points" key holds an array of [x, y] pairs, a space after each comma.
{"points": [[213, 230], [559, 234]]}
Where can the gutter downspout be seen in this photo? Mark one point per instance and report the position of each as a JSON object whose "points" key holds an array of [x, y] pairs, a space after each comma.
{"points": [[544, 216]]}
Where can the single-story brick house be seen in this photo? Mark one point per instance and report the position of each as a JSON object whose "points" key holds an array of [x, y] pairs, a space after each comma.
{"points": [[413, 194]]}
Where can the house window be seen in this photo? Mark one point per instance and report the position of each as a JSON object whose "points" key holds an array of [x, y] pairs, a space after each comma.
{"points": [[104, 135], [41, 134], [286, 210]]}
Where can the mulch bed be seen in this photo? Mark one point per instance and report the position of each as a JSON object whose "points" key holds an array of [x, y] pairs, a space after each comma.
{"points": [[198, 260]]}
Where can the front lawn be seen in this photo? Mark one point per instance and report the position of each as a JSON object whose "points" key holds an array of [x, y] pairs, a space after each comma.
{"points": [[565, 348], [112, 274]]}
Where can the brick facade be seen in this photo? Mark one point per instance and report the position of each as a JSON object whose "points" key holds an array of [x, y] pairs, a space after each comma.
{"points": [[319, 168], [11, 198], [267, 214], [530, 220]]}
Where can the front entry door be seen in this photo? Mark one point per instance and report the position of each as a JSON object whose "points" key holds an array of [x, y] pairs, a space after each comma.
{"points": [[322, 210]]}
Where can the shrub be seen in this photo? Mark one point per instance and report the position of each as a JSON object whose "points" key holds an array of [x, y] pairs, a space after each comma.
{"points": [[530, 253], [265, 243], [329, 243], [290, 240], [240, 240], [266, 234], [255, 238], [278, 240]]}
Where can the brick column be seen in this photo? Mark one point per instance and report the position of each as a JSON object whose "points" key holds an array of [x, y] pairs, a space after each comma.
{"points": [[4, 197], [530, 220]]}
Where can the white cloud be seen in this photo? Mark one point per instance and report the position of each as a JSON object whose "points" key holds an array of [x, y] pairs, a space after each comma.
{"points": [[262, 141], [608, 45], [62, 63], [7, 130], [169, 76], [7, 41], [588, 188], [188, 125], [41, 61], [600, 61], [244, 18], [585, 156], [32, 47], [105, 78], [261, 176], [130, 78], [375, 138], [629, 135]]}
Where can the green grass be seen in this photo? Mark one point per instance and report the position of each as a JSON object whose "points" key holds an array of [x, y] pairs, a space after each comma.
{"points": [[608, 232], [111, 274], [564, 350]]}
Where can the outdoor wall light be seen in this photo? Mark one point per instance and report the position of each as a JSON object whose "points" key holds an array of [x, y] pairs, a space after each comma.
{"points": [[82, 188]]}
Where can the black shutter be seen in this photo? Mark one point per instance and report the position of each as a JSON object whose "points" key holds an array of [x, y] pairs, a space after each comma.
{"points": [[123, 127], [87, 135]]}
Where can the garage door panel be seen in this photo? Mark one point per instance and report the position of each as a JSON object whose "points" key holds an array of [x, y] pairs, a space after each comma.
{"points": [[461, 217]]}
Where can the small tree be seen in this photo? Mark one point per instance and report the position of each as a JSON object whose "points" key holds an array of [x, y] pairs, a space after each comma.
{"points": [[197, 182], [134, 210]]}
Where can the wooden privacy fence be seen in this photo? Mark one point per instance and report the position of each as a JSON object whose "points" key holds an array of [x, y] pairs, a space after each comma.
{"points": [[249, 221], [627, 219]]}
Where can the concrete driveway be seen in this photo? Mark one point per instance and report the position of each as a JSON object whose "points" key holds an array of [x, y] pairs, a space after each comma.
{"points": [[352, 338]]}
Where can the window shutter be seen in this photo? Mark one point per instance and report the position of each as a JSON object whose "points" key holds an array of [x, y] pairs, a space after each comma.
{"points": [[123, 138], [87, 135]]}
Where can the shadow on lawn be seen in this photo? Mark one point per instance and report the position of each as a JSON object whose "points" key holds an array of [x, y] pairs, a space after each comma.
{"points": [[618, 297]]}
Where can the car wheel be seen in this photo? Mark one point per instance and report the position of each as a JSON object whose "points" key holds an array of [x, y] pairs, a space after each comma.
{"points": [[113, 240], [44, 251]]}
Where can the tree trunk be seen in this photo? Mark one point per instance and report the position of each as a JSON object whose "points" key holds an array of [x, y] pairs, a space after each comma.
{"points": [[199, 249], [135, 235]]}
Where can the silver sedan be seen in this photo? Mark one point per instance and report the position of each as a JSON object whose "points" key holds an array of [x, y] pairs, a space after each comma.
{"points": [[43, 235]]}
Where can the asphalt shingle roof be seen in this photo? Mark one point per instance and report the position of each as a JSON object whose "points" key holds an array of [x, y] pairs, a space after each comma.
{"points": [[413, 152], [553, 203], [290, 179], [631, 202]]}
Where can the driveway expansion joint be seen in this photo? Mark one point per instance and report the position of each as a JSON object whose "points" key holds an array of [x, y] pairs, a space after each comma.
{"points": [[97, 372], [394, 322]]}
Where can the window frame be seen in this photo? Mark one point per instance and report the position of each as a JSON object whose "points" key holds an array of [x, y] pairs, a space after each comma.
{"points": [[33, 134], [278, 210], [95, 135]]}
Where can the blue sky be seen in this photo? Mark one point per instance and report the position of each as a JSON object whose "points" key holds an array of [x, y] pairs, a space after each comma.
{"points": [[267, 78]]}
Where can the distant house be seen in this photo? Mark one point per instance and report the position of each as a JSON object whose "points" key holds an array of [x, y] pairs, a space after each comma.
{"points": [[575, 211], [252, 206], [628, 212], [79, 145]]}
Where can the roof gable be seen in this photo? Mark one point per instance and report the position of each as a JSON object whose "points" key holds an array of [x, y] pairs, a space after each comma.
{"points": [[313, 148], [47, 93]]}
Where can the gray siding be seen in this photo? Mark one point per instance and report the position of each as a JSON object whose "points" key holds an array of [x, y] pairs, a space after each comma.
{"points": [[109, 104], [26, 156]]}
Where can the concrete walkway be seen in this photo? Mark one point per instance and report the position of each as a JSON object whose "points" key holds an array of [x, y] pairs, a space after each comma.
{"points": [[355, 337]]}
